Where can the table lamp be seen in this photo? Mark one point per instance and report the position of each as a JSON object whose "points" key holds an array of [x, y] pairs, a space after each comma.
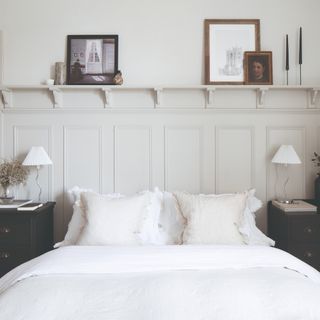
{"points": [[37, 157], [284, 156]]}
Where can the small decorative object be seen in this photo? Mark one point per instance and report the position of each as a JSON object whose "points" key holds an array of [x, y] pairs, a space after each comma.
{"points": [[316, 161], [117, 79], [284, 156], [287, 58], [37, 157], [225, 43], [12, 173], [92, 59], [300, 53], [50, 82], [258, 67], [60, 73]]}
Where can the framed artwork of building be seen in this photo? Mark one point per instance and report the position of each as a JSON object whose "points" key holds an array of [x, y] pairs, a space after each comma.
{"points": [[92, 59], [225, 43]]}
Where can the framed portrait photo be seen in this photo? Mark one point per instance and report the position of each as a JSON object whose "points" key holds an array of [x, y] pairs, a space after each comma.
{"points": [[258, 67], [91, 59], [225, 43]]}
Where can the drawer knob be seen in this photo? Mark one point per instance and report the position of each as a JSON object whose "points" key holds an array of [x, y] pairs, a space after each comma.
{"points": [[308, 230], [4, 255], [308, 254], [4, 230]]}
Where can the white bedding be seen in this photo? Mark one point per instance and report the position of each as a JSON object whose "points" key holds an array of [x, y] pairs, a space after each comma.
{"points": [[160, 283]]}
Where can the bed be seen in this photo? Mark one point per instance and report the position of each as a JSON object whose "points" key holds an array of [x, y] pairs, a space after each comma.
{"points": [[128, 281]]}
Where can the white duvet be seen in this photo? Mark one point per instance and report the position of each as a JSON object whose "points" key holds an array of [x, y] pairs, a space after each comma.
{"points": [[162, 283]]}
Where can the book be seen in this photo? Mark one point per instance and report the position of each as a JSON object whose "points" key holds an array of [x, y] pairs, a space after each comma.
{"points": [[15, 204], [297, 205], [30, 206]]}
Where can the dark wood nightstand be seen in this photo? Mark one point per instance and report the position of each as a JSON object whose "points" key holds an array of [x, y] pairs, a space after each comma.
{"points": [[296, 232], [24, 235]]}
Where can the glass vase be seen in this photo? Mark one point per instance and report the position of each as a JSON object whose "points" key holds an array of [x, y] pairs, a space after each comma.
{"points": [[6, 196]]}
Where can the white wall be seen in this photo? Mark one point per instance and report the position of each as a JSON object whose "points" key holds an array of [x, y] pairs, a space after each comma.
{"points": [[161, 42]]}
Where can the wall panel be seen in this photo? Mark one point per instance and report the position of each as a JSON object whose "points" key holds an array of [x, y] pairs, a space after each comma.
{"points": [[277, 174], [24, 137], [234, 159], [183, 158], [132, 159]]}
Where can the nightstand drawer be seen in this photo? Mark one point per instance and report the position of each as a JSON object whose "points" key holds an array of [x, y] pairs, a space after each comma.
{"points": [[14, 231], [304, 229], [308, 253], [13, 256]]}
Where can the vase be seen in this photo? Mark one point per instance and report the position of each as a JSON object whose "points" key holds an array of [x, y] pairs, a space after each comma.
{"points": [[6, 197], [317, 189], [60, 73]]}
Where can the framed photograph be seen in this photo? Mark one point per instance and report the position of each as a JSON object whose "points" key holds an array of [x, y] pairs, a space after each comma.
{"points": [[225, 43], [92, 59], [258, 67]]}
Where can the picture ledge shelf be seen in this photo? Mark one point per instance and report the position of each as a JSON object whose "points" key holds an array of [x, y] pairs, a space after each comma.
{"points": [[209, 92]]}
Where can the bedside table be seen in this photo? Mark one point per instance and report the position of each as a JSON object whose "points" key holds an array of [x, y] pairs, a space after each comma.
{"points": [[296, 232], [24, 235]]}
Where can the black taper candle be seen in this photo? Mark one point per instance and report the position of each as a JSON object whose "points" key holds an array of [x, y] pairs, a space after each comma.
{"points": [[287, 53], [300, 46]]}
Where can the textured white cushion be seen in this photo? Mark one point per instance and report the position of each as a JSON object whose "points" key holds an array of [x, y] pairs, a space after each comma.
{"points": [[212, 219], [251, 234], [170, 221], [114, 221], [78, 219]]}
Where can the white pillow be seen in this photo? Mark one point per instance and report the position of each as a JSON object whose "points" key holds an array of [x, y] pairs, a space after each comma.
{"points": [[170, 221], [78, 219], [114, 221], [212, 219], [251, 234]]}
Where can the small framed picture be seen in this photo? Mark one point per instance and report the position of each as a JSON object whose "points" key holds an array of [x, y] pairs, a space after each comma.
{"points": [[92, 59], [225, 43], [258, 67]]}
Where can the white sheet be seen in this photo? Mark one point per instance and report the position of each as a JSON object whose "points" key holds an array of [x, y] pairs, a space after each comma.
{"points": [[158, 283]]}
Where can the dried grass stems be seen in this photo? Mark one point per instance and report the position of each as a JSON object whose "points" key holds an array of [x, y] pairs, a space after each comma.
{"points": [[12, 173], [316, 161]]}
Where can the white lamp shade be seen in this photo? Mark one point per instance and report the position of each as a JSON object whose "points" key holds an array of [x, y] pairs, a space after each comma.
{"points": [[37, 156], [286, 155]]}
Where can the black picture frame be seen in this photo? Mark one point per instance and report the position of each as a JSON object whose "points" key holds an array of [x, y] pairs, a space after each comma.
{"points": [[92, 59]]}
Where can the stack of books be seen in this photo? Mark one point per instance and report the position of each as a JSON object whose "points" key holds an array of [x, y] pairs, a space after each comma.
{"points": [[295, 206]]}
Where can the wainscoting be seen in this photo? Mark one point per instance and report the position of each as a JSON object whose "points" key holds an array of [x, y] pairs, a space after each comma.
{"points": [[192, 139]]}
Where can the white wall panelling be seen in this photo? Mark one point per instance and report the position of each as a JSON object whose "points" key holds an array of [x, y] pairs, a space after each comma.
{"points": [[133, 148], [132, 160], [82, 160], [24, 137], [297, 183], [234, 159], [183, 158]]}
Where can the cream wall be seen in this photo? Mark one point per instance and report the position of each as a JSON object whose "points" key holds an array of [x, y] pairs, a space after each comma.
{"points": [[161, 42]]}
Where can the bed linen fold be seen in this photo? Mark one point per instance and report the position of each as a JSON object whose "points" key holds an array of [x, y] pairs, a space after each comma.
{"points": [[143, 259]]}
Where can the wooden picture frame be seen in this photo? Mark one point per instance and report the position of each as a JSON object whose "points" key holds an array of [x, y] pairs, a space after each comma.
{"points": [[92, 59], [258, 67], [225, 43]]}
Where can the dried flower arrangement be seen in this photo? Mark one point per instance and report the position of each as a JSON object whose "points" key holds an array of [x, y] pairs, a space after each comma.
{"points": [[316, 161], [12, 173]]}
